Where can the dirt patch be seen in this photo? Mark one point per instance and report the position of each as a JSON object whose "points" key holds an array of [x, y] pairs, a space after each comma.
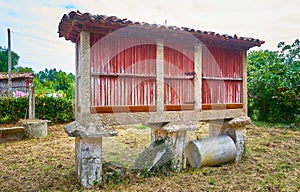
{"points": [[272, 163]]}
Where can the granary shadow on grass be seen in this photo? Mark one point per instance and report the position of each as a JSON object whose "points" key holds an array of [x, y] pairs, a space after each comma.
{"points": [[133, 149], [124, 149]]}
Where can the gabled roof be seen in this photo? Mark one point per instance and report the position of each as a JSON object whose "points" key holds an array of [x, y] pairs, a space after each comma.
{"points": [[73, 23], [24, 75]]}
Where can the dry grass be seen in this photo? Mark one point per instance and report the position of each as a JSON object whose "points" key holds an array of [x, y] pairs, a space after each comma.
{"points": [[272, 163]]}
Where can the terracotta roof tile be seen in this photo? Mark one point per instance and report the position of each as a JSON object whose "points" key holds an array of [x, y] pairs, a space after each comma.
{"points": [[17, 75], [73, 23]]}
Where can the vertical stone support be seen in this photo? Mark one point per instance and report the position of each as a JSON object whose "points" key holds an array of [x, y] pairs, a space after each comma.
{"points": [[159, 76], [88, 149], [88, 153], [77, 76], [85, 73], [177, 141], [245, 90], [240, 142], [31, 114], [175, 134], [198, 76], [237, 133]]}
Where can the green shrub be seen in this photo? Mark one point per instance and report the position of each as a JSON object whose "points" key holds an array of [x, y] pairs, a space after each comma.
{"points": [[57, 110], [274, 84]]}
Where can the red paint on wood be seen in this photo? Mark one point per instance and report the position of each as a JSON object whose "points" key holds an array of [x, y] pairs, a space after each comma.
{"points": [[222, 106], [179, 83], [120, 109], [117, 55], [221, 63]]}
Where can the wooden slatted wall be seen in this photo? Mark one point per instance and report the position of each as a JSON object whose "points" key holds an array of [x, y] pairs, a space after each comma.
{"points": [[178, 78], [123, 73], [222, 76]]}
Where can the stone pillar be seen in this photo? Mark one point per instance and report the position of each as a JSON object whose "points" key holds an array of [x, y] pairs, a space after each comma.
{"points": [[77, 77], [88, 149], [84, 91], [245, 90], [160, 76], [240, 142], [35, 128], [88, 160], [31, 110], [177, 141], [175, 134], [235, 128], [198, 77]]}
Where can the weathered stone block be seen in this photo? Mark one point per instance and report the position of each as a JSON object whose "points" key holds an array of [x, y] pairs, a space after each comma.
{"points": [[12, 133], [88, 160], [35, 128], [176, 141], [235, 128]]}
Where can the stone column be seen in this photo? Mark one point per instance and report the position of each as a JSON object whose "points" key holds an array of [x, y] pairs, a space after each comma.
{"points": [[85, 74], [245, 90], [235, 128], [77, 79], [160, 76], [88, 153], [88, 149], [31, 110], [176, 141], [175, 135], [198, 77]]}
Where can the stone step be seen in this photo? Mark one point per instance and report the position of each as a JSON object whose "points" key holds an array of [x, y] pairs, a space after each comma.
{"points": [[12, 133]]}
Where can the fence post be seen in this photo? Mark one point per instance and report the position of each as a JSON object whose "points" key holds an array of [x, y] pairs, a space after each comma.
{"points": [[31, 102]]}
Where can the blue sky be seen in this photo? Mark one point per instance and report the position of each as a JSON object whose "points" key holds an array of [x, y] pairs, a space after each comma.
{"points": [[34, 23]]}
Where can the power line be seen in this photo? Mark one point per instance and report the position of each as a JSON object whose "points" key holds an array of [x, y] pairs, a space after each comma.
{"points": [[36, 37]]}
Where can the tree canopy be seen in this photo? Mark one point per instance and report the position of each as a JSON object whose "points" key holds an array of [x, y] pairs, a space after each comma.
{"points": [[4, 60], [23, 69], [274, 84], [53, 80]]}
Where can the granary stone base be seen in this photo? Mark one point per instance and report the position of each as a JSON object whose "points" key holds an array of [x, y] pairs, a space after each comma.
{"points": [[176, 134], [88, 160], [35, 128], [177, 141], [235, 128]]}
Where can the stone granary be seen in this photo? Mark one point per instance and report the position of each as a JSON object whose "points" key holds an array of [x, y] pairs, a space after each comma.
{"points": [[20, 83], [167, 77]]}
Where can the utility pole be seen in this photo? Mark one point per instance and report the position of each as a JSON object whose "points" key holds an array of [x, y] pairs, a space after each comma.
{"points": [[9, 91]]}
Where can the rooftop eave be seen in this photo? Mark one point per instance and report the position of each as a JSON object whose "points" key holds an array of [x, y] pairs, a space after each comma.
{"points": [[72, 24]]}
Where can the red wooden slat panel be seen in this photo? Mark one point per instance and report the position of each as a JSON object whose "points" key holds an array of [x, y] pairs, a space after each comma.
{"points": [[221, 91], [116, 55], [178, 65], [221, 63]]}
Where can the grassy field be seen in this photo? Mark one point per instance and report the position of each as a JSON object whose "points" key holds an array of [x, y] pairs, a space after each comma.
{"points": [[272, 163]]}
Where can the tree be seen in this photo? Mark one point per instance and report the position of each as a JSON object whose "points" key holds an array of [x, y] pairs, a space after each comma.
{"points": [[274, 84], [23, 69], [53, 80], [4, 60]]}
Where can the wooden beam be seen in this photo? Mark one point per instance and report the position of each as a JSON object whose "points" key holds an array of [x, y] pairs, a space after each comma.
{"points": [[124, 75], [222, 106], [222, 78], [179, 107], [120, 109]]}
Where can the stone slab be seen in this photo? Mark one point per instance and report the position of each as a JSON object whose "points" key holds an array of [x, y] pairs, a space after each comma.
{"points": [[91, 130], [12, 133]]}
